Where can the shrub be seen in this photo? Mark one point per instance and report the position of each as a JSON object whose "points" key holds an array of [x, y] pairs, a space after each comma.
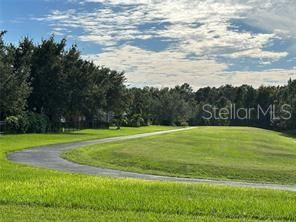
{"points": [[182, 123], [17, 124], [148, 122], [23, 123], [38, 123], [136, 121], [12, 124]]}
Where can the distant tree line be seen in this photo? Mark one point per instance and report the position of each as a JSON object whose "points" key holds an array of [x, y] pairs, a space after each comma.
{"points": [[271, 107], [44, 86]]}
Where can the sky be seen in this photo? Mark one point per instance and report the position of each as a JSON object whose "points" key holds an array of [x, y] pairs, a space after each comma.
{"points": [[168, 42]]}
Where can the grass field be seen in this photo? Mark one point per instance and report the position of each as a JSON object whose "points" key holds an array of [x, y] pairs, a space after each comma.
{"points": [[32, 194], [246, 154]]}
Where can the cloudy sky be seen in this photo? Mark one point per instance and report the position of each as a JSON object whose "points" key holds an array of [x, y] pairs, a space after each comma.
{"points": [[168, 42]]}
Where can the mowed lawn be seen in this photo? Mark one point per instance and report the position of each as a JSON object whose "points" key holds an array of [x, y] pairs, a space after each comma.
{"points": [[32, 194], [245, 154]]}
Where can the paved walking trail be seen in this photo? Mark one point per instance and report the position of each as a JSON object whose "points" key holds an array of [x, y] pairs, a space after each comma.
{"points": [[49, 157]]}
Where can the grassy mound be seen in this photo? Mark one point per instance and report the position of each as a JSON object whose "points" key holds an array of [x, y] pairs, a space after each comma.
{"points": [[32, 194], [239, 153]]}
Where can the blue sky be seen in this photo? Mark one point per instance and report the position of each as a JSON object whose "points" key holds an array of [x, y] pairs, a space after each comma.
{"points": [[169, 42]]}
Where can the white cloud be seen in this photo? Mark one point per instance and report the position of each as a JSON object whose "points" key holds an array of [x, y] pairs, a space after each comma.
{"points": [[258, 53], [197, 27], [157, 68], [274, 15], [268, 77], [170, 68], [108, 27]]}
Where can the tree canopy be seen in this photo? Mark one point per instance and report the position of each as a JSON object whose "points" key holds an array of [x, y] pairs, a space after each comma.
{"points": [[50, 83]]}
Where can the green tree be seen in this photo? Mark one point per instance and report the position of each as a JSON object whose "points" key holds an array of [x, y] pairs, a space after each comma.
{"points": [[48, 79], [117, 96], [14, 77]]}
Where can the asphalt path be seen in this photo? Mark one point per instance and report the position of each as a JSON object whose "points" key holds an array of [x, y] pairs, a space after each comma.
{"points": [[49, 156]]}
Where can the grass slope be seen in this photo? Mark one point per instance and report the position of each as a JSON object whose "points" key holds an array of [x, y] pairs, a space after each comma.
{"points": [[32, 194], [247, 154]]}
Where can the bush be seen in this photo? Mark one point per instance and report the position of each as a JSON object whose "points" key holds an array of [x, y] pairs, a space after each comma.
{"points": [[182, 123], [136, 121], [148, 122], [17, 124], [23, 124], [12, 124], [27, 123], [38, 123]]}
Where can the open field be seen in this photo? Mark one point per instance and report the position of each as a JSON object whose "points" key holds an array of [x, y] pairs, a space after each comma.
{"points": [[246, 154], [32, 194]]}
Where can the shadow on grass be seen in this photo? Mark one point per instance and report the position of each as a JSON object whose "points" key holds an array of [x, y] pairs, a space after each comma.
{"points": [[289, 133]]}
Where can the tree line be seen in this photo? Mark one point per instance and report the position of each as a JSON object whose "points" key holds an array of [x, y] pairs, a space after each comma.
{"points": [[271, 107], [47, 85]]}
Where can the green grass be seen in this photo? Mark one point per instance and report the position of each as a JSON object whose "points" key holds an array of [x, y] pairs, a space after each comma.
{"points": [[32, 194], [246, 154]]}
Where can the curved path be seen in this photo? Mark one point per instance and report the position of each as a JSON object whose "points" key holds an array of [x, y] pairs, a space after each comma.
{"points": [[49, 157]]}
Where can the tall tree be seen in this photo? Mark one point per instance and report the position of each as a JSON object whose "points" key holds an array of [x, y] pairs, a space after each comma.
{"points": [[117, 97], [14, 77], [49, 94]]}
